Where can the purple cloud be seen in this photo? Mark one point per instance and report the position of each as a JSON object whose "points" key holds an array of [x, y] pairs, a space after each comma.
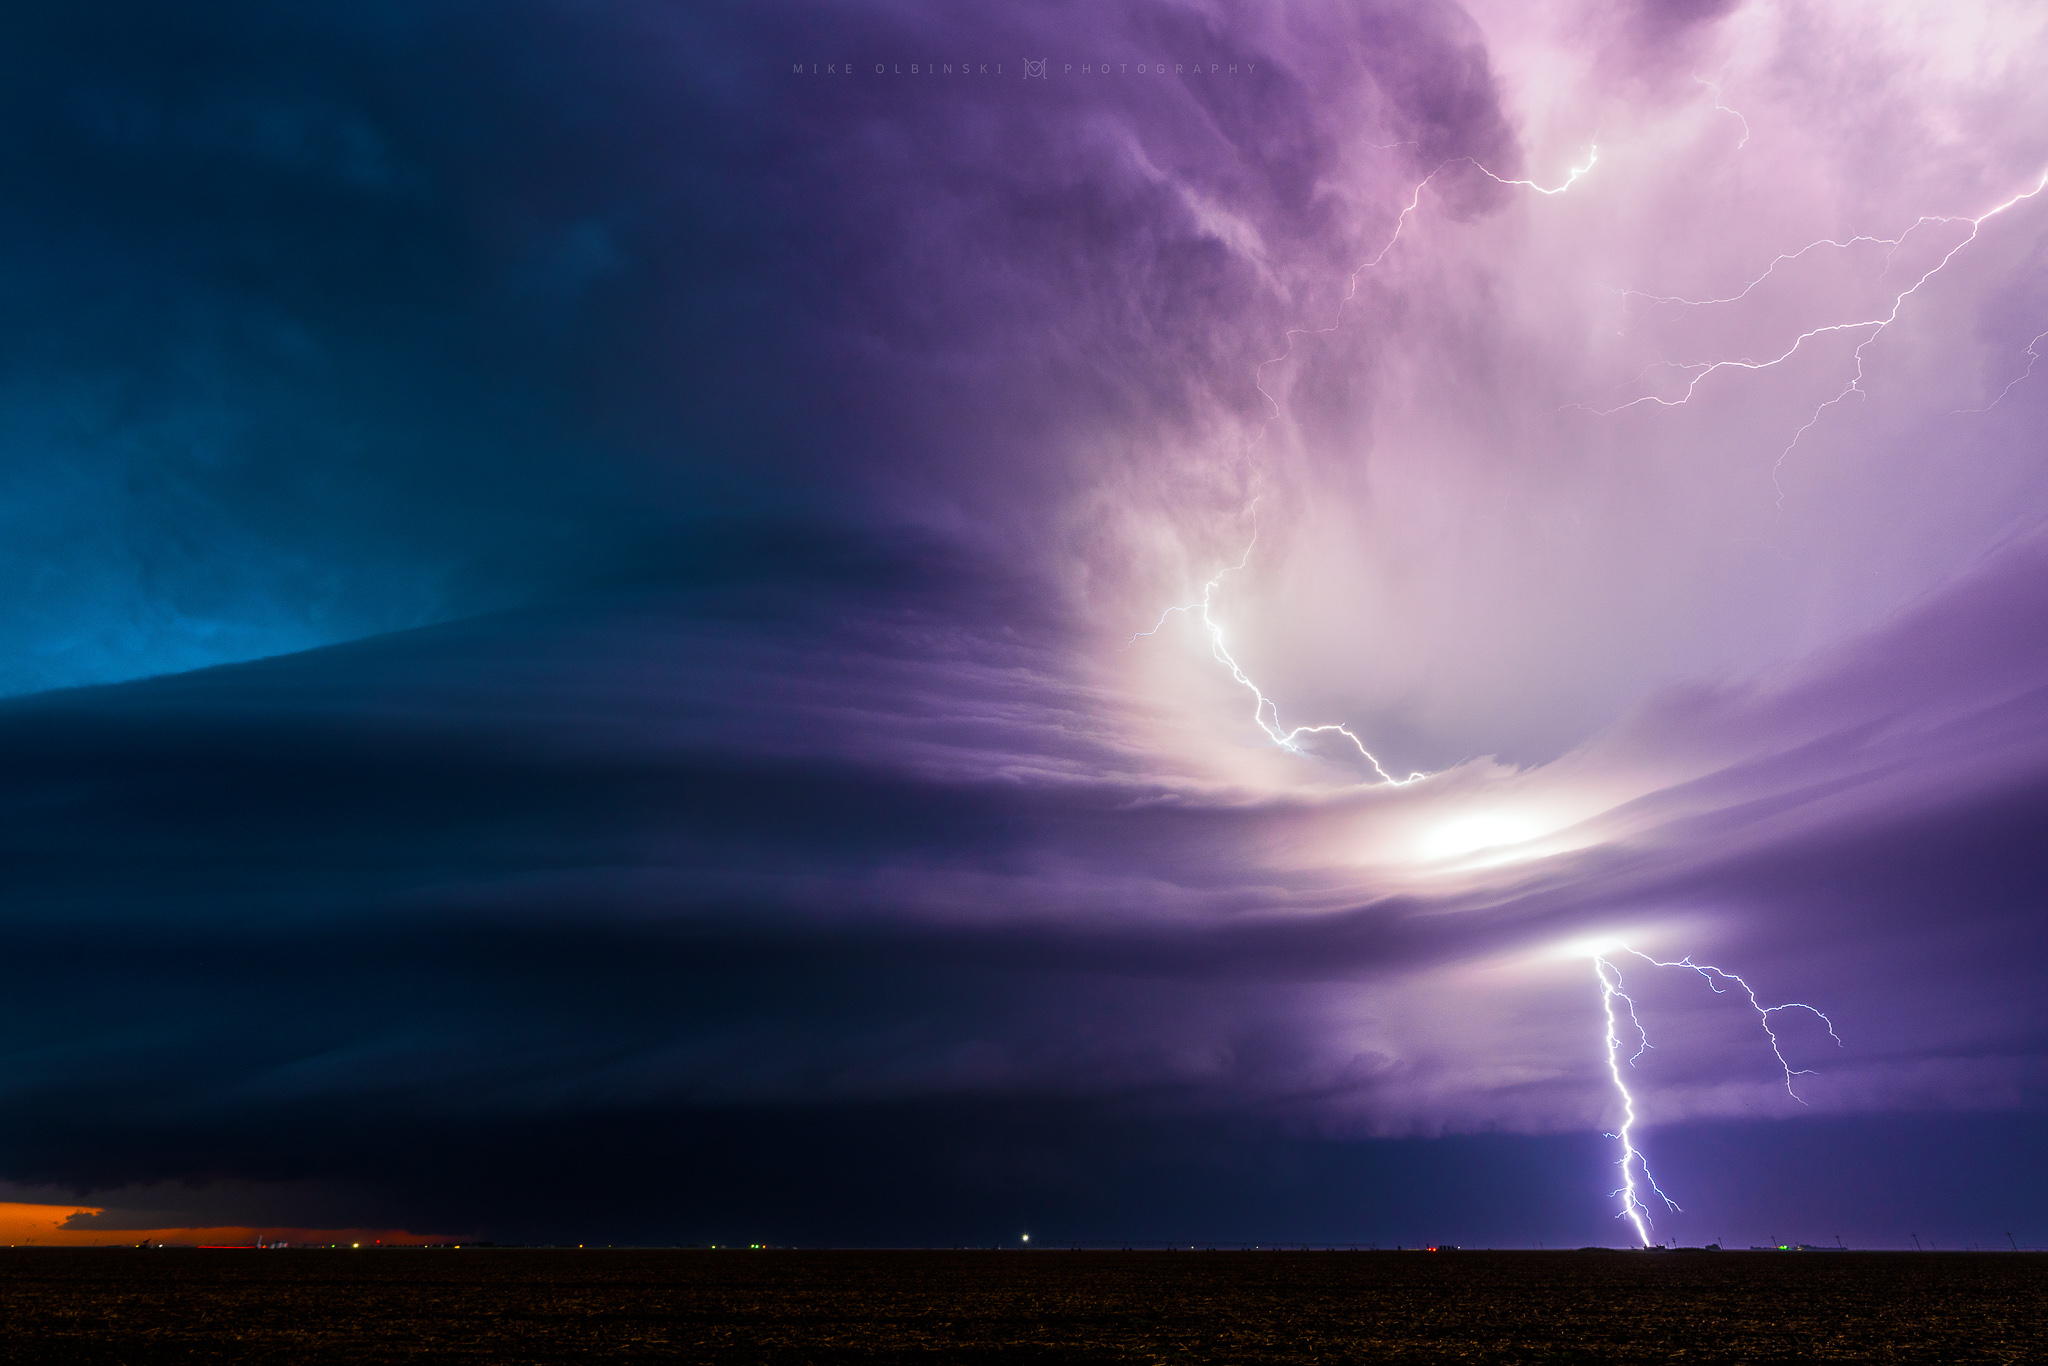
{"points": [[1625, 419]]}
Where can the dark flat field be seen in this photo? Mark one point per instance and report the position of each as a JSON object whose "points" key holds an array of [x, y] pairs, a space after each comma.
{"points": [[502, 1305]]}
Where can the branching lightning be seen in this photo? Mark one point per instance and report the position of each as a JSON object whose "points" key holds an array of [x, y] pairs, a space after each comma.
{"points": [[1265, 712], [1867, 331], [2033, 358], [1719, 107], [1400, 223], [1633, 1207], [1636, 1178], [1715, 976], [1871, 328], [1841, 244]]}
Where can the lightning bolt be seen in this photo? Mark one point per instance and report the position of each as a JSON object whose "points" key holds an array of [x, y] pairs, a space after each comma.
{"points": [[1719, 107], [1840, 244], [2033, 356], [1871, 328], [1265, 712], [1633, 1207], [1400, 224]]}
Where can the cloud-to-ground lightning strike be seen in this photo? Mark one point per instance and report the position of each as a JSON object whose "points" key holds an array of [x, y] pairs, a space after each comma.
{"points": [[1633, 1207], [1633, 1166], [1264, 711]]}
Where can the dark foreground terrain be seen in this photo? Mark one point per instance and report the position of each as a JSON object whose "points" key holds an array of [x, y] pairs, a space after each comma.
{"points": [[133, 1306]]}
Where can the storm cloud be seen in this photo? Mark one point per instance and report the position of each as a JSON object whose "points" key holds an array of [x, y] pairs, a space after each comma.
{"points": [[588, 648]]}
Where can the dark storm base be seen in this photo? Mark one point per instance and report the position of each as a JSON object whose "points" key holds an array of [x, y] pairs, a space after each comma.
{"points": [[502, 1305]]}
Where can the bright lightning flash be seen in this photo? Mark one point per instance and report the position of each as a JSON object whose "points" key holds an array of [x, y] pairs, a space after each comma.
{"points": [[1633, 1207]]}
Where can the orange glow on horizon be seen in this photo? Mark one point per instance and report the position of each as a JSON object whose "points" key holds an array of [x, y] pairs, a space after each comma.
{"points": [[23, 1225]]}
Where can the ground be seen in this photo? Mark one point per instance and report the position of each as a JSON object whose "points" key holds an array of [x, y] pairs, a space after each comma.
{"points": [[732, 1306]]}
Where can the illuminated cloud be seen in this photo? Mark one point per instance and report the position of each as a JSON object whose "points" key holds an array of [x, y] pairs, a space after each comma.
{"points": [[792, 474]]}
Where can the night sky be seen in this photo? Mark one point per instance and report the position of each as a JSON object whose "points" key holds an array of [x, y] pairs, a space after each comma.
{"points": [[576, 652]]}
